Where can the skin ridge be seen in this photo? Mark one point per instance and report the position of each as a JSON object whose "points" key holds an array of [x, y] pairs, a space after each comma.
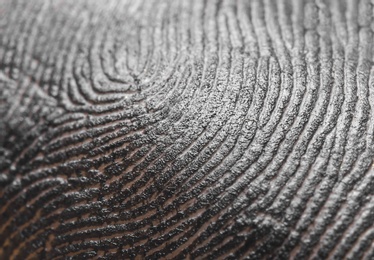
{"points": [[186, 129]]}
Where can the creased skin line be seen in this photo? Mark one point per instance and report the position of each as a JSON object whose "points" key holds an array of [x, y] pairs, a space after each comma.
{"points": [[186, 129]]}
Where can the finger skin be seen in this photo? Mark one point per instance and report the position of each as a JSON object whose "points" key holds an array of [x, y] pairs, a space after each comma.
{"points": [[186, 129]]}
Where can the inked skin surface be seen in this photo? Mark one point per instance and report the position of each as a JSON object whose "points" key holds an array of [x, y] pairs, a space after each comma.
{"points": [[186, 129]]}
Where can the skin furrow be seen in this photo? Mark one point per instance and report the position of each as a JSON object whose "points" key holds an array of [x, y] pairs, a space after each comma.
{"points": [[186, 129]]}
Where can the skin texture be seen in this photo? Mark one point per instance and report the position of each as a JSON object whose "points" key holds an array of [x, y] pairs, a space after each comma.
{"points": [[186, 129]]}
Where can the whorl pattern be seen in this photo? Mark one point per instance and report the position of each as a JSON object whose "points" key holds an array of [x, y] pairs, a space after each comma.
{"points": [[186, 129]]}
